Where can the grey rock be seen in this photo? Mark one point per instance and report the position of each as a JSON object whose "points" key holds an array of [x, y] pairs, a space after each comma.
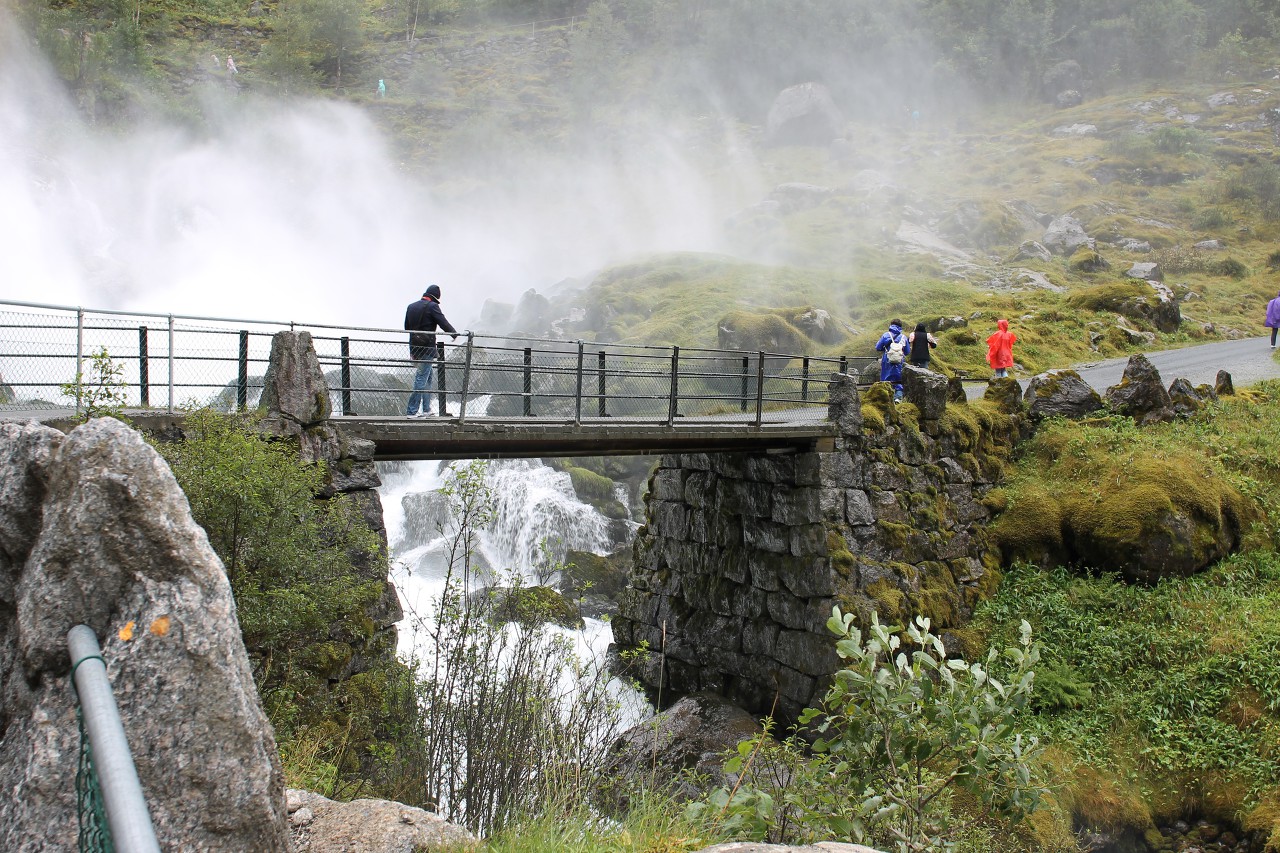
{"points": [[1146, 272], [1222, 99], [1060, 393], [843, 406], [1187, 399], [1210, 245], [295, 390], [321, 825], [1069, 98], [1141, 394], [1222, 384], [1130, 244], [1077, 129], [804, 114], [926, 390], [115, 548], [1032, 250], [1064, 235]]}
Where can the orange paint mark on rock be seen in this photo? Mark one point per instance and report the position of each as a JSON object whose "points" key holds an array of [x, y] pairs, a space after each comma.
{"points": [[126, 633], [160, 627]]}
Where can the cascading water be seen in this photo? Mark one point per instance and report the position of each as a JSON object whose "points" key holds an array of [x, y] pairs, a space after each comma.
{"points": [[537, 519]]}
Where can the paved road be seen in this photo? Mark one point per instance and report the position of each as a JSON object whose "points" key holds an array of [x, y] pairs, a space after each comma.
{"points": [[1248, 361]]}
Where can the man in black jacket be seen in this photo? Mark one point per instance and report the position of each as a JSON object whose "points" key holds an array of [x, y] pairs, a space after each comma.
{"points": [[421, 320]]}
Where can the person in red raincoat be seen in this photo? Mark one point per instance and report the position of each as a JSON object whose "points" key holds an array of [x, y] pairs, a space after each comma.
{"points": [[1000, 349]]}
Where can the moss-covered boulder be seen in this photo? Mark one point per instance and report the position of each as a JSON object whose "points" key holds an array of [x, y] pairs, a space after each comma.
{"points": [[1060, 393], [528, 605], [1141, 393], [1005, 393]]}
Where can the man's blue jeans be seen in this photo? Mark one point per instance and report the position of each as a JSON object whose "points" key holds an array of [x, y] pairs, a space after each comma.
{"points": [[423, 381]]}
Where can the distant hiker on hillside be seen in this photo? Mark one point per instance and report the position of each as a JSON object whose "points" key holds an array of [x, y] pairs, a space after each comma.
{"points": [[421, 319], [920, 342], [1000, 349], [231, 65], [382, 88], [1273, 318], [894, 348]]}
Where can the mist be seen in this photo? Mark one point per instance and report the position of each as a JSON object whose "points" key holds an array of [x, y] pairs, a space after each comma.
{"points": [[296, 210]]}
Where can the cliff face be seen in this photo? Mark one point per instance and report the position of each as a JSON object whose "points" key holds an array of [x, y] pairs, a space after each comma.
{"points": [[94, 530], [744, 556]]}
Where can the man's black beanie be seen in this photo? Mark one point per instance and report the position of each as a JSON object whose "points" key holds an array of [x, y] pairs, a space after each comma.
{"points": [[433, 291]]}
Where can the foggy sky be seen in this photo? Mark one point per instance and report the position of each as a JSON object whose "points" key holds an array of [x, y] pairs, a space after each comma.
{"points": [[296, 211]]}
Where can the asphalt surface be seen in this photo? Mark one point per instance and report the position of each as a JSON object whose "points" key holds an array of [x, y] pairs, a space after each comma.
{"points": [[1249, 361]]}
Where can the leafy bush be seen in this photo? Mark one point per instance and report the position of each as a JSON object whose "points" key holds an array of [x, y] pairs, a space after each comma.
{"points": [[102, 393], [912, 748]]}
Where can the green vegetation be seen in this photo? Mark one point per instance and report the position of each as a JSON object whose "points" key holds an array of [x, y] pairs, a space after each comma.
{"points": [[102, 392]]}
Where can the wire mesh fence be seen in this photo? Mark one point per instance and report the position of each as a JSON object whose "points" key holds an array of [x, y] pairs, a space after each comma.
{"points": [[53, 357]]}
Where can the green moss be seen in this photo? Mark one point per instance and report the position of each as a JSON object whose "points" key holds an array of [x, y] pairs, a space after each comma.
{"points": [[889, 601], [872, 418], [533, 605], [894, 535], [938, 597], [1087, 260], [838, 551], [1107, 297], [1030, 527], [959, 420]]}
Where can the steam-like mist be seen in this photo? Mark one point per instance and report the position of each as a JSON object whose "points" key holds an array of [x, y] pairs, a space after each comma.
{"points": [[296, 211]]}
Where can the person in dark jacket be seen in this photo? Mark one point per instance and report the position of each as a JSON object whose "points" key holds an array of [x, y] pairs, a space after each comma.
{"points": [[1273, 318], [421, 319], [894, 348], [921, 343]]}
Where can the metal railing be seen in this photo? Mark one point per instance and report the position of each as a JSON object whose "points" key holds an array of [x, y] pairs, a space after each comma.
{"points": [[107, 787], [173, 361]]}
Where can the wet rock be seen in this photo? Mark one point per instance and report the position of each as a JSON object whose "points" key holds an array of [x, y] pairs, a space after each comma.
{"points": [[1065, 235], [1222, 384], [294, 388], [1188, 399], [1146, 272], [1141, 393], [926, 390], [1006, 393], [321, 825], [1061, 393], [804, 114], [94, 530], [1032, 250]]}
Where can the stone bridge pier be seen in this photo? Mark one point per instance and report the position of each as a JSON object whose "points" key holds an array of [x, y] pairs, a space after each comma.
{"points": [[744, 555]]}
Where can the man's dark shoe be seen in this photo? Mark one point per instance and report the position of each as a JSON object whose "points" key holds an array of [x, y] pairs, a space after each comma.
{"points": [[445, 415]]}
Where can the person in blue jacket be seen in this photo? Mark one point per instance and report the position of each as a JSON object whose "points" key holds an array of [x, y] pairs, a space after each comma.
{"points": [[894, 347], [421, 319]]}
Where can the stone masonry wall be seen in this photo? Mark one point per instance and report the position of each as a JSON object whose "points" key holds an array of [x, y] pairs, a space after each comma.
{"points": [[744, 556]]}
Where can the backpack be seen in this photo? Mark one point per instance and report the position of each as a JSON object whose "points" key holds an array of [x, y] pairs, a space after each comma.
{"points": [[894, 354]]}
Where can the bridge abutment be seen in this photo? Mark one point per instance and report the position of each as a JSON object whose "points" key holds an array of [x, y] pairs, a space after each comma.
{"points": [[744, 555]]}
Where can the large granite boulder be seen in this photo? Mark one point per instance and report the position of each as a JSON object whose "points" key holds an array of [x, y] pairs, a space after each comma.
{"points": [[1064, 235], [694, 734], [321, 825], [926, 390], [294, 388], [804, 114], [1061, 394], [1141, 393], [94, 530]]}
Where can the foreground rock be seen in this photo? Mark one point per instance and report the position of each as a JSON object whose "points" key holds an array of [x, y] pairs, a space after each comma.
{"points": [[321, 825], [1061, 393], [1141, 393], [94, 530], [692, 735], [757, 847]]}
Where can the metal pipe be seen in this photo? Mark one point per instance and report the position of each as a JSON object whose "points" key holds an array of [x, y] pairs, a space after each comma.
{"points": [[466, 380], [126, 807], [345, 377], [804, 383], [528, 382], [242, 373], [760, 390], [601, 384], [144, 369], [675, 386], [79, 358], [170, 364], [441, 385], [577, 417], [746, 372]]}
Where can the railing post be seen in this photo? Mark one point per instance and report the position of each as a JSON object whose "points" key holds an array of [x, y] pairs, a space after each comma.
{"points": [[844, 364], [577, 418], [746, 372], [601, 386], [79, 359], [675, 386], [345, 377], [441, 384], [242, 374], [528, 382], [170, 364], [804, 382], [760, 389], [144, 369], [466, 380], [126, 807]]}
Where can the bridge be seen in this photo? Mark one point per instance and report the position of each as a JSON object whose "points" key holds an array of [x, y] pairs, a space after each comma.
{"points": [[505, 397]]}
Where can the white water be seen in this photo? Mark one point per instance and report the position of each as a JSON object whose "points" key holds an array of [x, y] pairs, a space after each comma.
{"points": [[534, 504]]}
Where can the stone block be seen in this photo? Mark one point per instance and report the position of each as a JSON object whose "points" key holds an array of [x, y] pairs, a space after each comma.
{"points": [[788, 610], [964, 506], [794, 685], [831, 504], [887, 507], [737, 497], [809, 540], [700, 525], [953, 471], [668, 485], [809, 578], [729, 531], [809, 468], [733, 563], [712, 630], [765, 535], [770, 468], [759, 636], [808, 653], [888, 476], [749, 601], [926, 390], [795, 506], [691, 461], [858, 509], [837, 470], [699, 488], [672, 518], [766, 572]]}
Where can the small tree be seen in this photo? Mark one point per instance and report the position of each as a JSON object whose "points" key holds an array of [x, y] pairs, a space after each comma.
{"points": [[102, 392], [908, 728]]}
